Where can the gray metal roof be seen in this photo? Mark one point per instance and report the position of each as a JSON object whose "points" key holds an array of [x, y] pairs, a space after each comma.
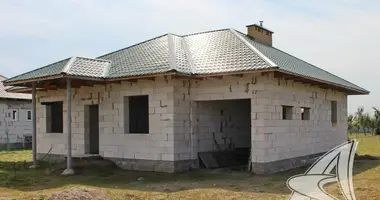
{"points": [[180, 52], [7, 95], [80, 66], [222, 51], [75, 66], [149, 57], [295, 65], [211, 52], [48, 70]]}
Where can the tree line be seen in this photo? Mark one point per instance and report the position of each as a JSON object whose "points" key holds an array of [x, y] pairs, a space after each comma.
{"points": [[364, 122]]}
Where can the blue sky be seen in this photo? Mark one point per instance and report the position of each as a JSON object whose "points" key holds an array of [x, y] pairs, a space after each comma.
{"points": [[340, 36]]}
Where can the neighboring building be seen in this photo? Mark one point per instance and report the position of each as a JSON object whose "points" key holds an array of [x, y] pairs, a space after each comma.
{"points": [[156, 105], [15, 119]]}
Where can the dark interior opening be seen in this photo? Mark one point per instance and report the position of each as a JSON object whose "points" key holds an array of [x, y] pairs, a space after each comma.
{"points": [[94, 129], [139, 114], [54, 117], [224, 130]]}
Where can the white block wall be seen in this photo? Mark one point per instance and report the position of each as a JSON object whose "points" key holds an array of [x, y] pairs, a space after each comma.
{"points": [[173, 118], [113, 142], [18, 128], [272, 138]]}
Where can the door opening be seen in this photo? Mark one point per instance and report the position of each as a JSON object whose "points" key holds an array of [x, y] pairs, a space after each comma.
{"points": [[92, 129]]}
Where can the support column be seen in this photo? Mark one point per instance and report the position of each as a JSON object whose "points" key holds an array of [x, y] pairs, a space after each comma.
{"points": [[34, 127], [69, 170]]}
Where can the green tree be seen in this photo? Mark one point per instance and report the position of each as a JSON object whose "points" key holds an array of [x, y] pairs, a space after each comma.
{"points": [[366, 123], [359, 115], [377, 120], [350, 122]]}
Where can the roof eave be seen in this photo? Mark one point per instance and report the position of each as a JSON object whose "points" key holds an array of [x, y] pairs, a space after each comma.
{"points": [[46, 78], [26, 81], [19, 99], [88, 78], [65, 73], [348, 90]]}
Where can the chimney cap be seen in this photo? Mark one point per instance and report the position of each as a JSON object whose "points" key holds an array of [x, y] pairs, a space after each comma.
{"points": [[260, 26]]}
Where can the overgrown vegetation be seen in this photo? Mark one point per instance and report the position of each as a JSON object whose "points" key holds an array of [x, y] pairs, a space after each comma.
{"points": [[17, 181]]}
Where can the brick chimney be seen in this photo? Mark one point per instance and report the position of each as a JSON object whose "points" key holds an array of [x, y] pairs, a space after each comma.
{"points": [[259, 33]]}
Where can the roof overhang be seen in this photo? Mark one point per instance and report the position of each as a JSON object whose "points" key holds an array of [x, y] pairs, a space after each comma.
{"points": [[289, 76], [18, 89], [42, 82], [295, 77], [15, 99], [321, 83]]}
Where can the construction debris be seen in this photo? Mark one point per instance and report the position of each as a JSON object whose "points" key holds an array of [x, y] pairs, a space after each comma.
{"points": [[80, 193], [225, 158]]}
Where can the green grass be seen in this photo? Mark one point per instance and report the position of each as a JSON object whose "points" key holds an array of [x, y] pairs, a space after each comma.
{"points": [[19, 182], [367, 144]]}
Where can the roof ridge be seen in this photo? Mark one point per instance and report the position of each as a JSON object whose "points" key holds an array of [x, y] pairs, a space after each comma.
{"points": [[191, 34], [67, 67], [96, 59], [37, 69], [107, 70], [261, 55], [189, 59], [306, 62], [174, 34], [172, 53], [99, 57]]}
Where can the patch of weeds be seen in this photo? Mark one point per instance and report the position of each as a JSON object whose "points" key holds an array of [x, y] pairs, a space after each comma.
{"points": [[43, 197], [16, 181]]}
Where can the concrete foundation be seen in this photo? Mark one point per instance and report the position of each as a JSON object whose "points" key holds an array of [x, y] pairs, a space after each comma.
{"points": [[52, 158], [155, 165], [190, 165], [137, 164], [283, 165]]}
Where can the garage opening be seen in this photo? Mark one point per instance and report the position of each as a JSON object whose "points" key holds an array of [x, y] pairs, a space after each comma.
{"points": [[223, 132]]}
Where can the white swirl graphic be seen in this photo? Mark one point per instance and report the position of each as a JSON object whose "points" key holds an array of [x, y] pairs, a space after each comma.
{"points": [[309, 185]]}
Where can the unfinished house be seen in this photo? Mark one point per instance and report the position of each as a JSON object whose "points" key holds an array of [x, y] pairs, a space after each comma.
{"points": [[15, 119], [181, 102]]}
